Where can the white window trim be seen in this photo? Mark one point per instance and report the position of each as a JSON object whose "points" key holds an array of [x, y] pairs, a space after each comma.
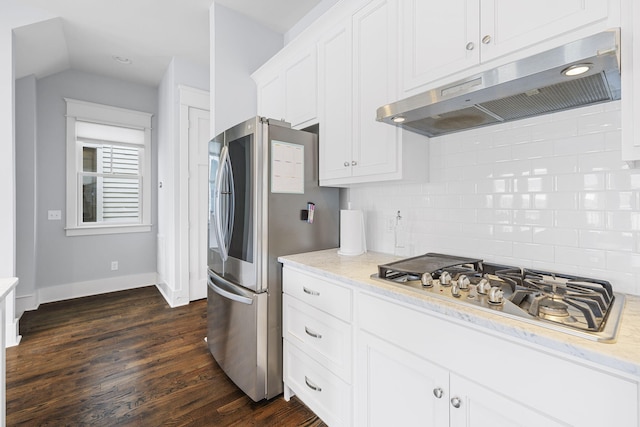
{"points": [[108, 115]]}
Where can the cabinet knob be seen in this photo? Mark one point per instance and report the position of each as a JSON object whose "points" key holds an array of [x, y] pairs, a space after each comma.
{"points": [[470, 46], [346, 164], [486, 39], [353, 163], [456, 402], [437, 392]]}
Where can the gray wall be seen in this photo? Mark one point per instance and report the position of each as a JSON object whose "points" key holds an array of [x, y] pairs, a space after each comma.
{"points": [[26, 202], [62, 260]]}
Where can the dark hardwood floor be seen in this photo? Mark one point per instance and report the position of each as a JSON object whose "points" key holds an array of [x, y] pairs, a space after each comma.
{"points": [[127, 358]]}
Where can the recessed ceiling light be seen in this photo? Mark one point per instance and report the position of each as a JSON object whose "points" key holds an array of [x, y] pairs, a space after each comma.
{"points": [[398, 119], [122, 60], [576, 69]]}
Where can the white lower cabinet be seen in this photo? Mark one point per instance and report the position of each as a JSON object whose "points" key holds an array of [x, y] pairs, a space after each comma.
{"points": [[358, 358], [399, 388], [417, 369], [318, 340]]}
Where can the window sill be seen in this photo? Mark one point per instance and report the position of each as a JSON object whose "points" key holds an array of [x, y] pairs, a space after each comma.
{"points": [[107, 229]]}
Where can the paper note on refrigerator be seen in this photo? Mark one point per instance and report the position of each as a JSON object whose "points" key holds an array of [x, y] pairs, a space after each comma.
{"points": [[287, 167]]}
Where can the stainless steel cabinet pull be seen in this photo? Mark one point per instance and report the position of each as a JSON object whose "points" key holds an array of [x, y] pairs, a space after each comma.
{"points": [[456, 402], [310, 292], [437, 392], [311, 385], [470, 46], [354, 163], [486, 39], [311, 333], [346, 164]]}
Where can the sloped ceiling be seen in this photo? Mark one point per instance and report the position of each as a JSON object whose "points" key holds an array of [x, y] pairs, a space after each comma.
{"points": [[89, 34]]}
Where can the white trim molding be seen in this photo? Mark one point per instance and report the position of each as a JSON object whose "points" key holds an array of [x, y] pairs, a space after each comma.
{"points": [[95, 287]]}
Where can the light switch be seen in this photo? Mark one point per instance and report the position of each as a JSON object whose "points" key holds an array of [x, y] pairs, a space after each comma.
{"points": [[54, 215]]}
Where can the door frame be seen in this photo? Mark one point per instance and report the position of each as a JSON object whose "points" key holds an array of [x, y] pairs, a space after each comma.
{"points": [[189, 98]]}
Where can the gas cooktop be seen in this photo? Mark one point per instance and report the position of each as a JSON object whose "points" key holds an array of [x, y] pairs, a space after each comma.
{"points": [[576, 305]]}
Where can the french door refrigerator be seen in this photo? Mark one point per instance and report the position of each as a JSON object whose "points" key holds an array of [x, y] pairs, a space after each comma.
{"points": [[264, 202]]}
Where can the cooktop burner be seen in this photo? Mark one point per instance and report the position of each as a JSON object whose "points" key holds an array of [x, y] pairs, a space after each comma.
{"points": [[577, 305]]}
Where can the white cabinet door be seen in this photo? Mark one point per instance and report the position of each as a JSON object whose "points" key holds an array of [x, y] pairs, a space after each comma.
{"points": [[334, 57], [397, 388], [375, 69], [270, 99], [474, 405], [301, 89], [439, 39], [508, 25], [444, 38]]}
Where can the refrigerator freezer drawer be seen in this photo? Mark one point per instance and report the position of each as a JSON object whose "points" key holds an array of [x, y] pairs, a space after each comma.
{"points": [[236, 333]]}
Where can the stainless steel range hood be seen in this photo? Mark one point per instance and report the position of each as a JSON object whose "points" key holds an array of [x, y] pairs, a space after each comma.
{"points": [[529, 87]]}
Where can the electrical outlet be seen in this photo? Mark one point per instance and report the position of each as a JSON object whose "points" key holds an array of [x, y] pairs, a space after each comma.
{"points": [[114, 265], [54, 215]]}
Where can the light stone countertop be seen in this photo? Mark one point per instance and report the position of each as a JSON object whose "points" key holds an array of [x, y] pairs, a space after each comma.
{"points": [[622, 356]]}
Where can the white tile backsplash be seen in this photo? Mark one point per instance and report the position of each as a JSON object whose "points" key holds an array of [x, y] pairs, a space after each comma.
{"points": [[547, 192]]}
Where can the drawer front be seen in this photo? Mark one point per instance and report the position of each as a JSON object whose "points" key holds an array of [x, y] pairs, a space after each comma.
{"points": [[325, 338], [323, 392], [318, 292]]}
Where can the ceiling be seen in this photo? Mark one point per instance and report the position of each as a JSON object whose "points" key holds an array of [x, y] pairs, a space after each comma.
{"points": [[91, 35]]}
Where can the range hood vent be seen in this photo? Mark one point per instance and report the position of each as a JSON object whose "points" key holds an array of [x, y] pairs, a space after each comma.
{"points": [[530, 87]]}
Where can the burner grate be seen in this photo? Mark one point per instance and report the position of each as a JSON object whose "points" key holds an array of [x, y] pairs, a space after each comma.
{"points": [[581, 306]]}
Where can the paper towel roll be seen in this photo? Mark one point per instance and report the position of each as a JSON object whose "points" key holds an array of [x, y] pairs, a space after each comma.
{"points": [[352, 238]]}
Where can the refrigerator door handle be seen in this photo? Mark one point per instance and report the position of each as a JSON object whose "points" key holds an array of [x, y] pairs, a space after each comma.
{"points": [[231, 292], [224, 227]]}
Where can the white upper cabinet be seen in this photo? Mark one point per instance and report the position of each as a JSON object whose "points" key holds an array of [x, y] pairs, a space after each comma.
{"points": [[301, 88], [375, 59], [508, 25], [441, 39], [358, 72], [334, 56], [630, 83], [270, 99], [288, 87]]}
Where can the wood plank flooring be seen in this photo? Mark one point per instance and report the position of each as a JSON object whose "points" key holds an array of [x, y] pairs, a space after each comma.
{"points": [[127, 358]]}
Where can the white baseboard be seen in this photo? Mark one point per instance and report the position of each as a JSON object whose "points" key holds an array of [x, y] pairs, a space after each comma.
{"points": [[95, 287], [13, 339], [172, 297], [26, 303]]}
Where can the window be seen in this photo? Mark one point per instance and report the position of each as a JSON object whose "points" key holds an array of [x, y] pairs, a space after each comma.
{"points": [[108, 169]]}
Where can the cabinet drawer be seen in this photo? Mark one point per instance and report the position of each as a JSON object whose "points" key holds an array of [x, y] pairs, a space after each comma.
{"points": [[323, 392], [318, 292], [323, 337]]}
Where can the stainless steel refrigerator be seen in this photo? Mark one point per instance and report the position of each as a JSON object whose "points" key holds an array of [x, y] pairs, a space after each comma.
{"points": [[264, 202]]}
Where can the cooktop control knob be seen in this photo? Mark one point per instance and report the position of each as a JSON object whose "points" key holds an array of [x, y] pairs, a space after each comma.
{"points": [[455, 289], [496, 295], [483, 286], [425, 279], [463, 282], [445, 278]]}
